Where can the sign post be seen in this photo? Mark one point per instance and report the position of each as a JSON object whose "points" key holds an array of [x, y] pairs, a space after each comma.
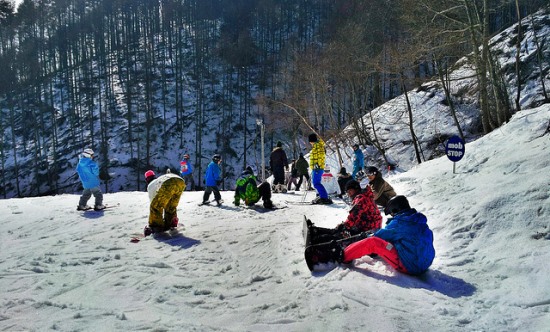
{"points": [[454, 149]]}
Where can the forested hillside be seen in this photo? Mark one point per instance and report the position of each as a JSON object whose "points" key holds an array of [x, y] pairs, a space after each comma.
{"points": [[142, 82]]}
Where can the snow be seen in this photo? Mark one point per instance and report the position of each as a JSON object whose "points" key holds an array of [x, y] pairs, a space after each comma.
{"points": [[238, 269]]}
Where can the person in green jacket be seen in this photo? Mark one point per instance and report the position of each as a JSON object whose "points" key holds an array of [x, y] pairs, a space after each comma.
{"points": [[249, 192]]}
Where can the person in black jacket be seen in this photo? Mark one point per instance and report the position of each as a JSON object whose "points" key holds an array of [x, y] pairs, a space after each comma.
{"points": [[278, 163]]}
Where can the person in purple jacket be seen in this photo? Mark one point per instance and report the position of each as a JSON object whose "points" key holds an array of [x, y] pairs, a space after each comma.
{"points": [[406, 242], [88, 172]]}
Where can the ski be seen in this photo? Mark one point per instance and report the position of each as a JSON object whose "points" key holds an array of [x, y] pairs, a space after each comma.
{"points": [[91, 209], [209, 202]]}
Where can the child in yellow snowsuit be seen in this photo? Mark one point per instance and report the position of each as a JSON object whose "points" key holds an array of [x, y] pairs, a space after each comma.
{"points": [[164, 193]]}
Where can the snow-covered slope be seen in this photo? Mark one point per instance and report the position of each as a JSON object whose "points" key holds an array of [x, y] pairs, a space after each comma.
{"points": [[238, 269]]}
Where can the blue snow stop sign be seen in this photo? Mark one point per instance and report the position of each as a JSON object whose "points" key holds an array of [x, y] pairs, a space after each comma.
{"points": [[454, 148]]}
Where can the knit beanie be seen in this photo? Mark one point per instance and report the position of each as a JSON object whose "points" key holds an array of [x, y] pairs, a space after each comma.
{"points": [[312, 138]]}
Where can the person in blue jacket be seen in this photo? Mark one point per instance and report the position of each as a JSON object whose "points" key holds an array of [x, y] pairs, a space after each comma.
{"points": [[88, 172], [406, 242], [212, 179], [358, 160], [186, 172]]}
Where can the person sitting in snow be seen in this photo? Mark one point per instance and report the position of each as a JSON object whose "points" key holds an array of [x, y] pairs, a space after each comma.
{"points": [[406, 242], [363, 216], [164, 194], [343, 178], [88, 172], [382, 190], [249, 192]]}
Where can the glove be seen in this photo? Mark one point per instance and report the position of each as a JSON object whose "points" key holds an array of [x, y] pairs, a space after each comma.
{"points": [[219, 182]]}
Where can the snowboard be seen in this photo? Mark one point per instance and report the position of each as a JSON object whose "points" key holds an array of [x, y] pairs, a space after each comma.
{"points": [[325, 252]]}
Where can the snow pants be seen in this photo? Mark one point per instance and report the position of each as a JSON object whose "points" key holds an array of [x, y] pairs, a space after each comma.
{"points": [[87, 194], [374, 245], [265, 191], [316, 177], [164, 206], [301, 177], [278, 175], [211, 189]]}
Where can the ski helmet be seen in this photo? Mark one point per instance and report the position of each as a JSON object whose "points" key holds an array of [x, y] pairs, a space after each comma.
{"points": [[216, 158], [312, 138], [396, 205], [88, 153], [186, 156]]}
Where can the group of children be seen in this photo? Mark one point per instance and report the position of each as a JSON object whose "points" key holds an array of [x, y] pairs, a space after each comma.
{"points": [[406, 242]]}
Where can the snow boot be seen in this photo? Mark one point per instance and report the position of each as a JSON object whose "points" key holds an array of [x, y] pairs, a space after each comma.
{"points": [[268, 204]]}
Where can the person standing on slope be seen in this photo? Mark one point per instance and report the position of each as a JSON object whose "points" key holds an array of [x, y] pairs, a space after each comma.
{"points": [[302, 168], [186, 171], [213, 178], [358, 160], [317, 165], [88, 172], [278, 163], [164, 194]]}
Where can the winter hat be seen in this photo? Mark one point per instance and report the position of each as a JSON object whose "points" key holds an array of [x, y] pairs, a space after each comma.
{"points": [[371, 170], [356, 146], [312, 138], [251, 169], [186, 156], [149, 176], [279, 144], [352, 184], [396, 205], [87, 153], [343, 170]]}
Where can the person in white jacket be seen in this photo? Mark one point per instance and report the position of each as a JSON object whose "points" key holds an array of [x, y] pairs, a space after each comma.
{"points": [[164, 194]]}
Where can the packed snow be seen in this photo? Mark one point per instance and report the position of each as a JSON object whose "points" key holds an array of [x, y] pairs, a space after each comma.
{"points": [[242, 269]]}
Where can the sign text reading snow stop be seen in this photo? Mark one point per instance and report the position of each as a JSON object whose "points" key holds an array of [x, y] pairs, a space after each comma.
{"points": [[454, 148]]}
